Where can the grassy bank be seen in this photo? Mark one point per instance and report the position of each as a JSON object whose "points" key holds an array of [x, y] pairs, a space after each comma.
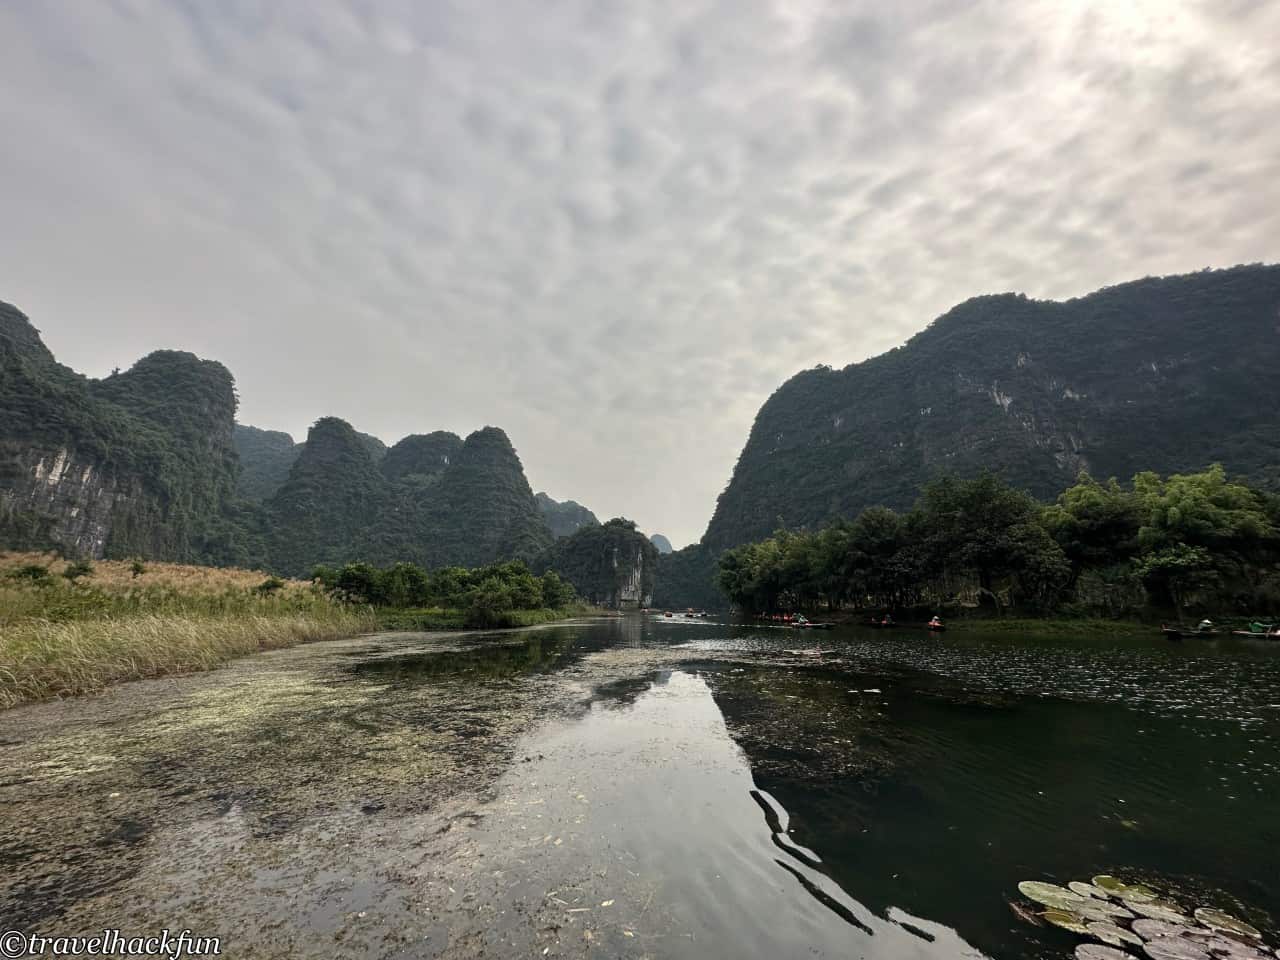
{"points": [[120, 620]]}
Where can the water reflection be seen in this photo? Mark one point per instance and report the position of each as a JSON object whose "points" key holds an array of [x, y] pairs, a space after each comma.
{"points": [[652, 802]]}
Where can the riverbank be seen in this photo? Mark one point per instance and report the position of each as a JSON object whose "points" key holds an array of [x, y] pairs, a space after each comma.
{"points": [[70, 628]]}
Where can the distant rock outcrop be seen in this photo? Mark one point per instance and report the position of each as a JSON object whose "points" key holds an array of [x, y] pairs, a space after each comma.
{"points": [[662, 543], [265, 459], [564, 518], [421, 455], [612, 564]]}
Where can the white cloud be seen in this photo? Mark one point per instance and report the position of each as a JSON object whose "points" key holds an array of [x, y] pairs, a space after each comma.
{"points": [[611, 229]]}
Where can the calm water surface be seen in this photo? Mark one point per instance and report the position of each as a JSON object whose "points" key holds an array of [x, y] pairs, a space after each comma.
{"points": [[887, 805], [644, 788]]}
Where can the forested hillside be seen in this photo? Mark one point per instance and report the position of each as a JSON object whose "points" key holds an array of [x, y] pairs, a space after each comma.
{"points": [[150, 463], [140, 462], [1167, 374], [434, 500], [564, 518]]}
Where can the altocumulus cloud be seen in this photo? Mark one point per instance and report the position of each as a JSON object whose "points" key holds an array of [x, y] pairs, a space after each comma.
{"points": [[610, 228]]}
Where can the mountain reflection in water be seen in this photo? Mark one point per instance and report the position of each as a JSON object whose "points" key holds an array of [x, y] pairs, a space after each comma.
{"points": [[651, 799]]}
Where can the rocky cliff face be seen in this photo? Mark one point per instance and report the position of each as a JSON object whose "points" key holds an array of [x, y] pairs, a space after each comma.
{"points": [[1164, 374], [138, 463], [57, 497], [612, 564]]}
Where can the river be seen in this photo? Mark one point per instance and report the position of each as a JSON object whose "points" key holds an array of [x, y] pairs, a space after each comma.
{"points": [[632, 787]]}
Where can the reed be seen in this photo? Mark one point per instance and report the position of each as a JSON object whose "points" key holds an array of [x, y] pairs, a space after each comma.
{"points": [[61, 638]]}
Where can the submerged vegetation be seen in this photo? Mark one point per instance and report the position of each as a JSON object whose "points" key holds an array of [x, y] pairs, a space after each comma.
{"points": [[1187, 542], [121, 620]]}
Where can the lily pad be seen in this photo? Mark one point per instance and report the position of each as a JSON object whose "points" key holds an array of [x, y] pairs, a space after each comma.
{"points": [[1067, 921], [1050, 894], [1175, 948], [1087, 889], [1109, 933], [1235, 950], [1138, 892], [1102, 910], [1110, 884], [1217, 920], [1093, 951], [1149, 929], [1158, 910]]}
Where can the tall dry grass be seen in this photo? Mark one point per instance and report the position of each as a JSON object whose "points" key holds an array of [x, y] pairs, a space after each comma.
{"points": [[59, 638]]}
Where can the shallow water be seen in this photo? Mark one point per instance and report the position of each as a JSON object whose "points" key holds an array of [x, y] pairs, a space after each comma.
{"points": [[642, 788]]}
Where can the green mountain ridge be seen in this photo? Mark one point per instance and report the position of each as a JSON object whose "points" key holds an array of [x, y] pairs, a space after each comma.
{"points": [[1167, 374], [150, 462]]}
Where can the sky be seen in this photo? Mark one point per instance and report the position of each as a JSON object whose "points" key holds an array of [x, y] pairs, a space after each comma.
{"points": [[610, 227]]}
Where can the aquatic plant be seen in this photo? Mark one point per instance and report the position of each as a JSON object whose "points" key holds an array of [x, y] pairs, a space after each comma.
{"points": [[1162, 931]]}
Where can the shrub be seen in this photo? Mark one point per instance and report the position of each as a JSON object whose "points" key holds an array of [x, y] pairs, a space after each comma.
{"points": [[77, 569], [35, 572]]}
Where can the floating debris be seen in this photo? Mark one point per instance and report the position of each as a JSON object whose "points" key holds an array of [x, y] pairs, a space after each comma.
{"points": [[1023, 912]]}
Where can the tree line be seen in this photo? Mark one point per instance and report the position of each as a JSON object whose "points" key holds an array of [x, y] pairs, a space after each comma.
{"points": [[484, 595], [1185, 541]]}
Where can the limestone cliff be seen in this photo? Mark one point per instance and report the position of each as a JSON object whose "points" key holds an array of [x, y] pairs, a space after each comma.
{"points": [[612, 564]]}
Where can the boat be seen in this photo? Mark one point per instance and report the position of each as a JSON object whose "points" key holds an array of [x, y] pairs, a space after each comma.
{"points": [[936, 627], [1178, 633], [806, 625], [1257, 634]]}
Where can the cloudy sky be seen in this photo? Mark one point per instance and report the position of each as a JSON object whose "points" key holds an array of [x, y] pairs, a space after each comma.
{"points": [[611, 227]]}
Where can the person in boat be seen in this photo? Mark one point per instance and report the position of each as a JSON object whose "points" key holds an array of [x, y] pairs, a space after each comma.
{"points": [[1204, 626], [887, 621], [935, 622], [801, 619]]}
